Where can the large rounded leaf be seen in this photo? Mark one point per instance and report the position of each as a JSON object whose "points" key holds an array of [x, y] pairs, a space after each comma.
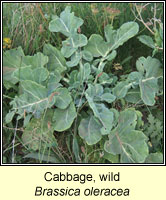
{"points": [[38, 60], [124, 33], [67, 23], [133, 96], [89, 130], [150, 65], [135, 77], [75, 59], [126, 141], [38, 74], [104, 115], [71, 45], [94, 91], [148, 88], [34, 99], [109, 98], [17, 66], [38, 133], [63, 98], [121, 89], [87, 55], [97, 46], [63, 118], [56, 59], [12, 60]]}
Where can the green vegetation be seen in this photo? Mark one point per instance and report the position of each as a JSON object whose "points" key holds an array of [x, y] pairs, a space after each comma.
{"points": [[72, 93]]}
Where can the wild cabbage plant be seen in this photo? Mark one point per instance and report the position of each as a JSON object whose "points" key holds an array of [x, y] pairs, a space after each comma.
{"points": [[68, 89]]}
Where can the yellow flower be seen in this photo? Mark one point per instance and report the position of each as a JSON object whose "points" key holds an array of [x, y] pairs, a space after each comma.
{"points": [[7, 40], [7, 43]]}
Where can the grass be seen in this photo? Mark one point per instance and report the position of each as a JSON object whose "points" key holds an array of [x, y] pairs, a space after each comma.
{"points": [[26, 24]]}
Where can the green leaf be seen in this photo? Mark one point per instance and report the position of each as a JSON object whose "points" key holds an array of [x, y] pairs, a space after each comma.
{"points": [[140, 65], [154, 130], [27, 119], [37, 60], [110, 157], [126, 60], [126, 141], [9, 116], [97, 46], [24, 73], [71, 45], [150, 65], [40, 74], [121, 89], [135, 77], [68, 49], [75, 59], [37, 75], [35, 90], [112, 55], [86, 71], [16, 64], [89, 130], [104, 115], [56, 59], [38, 133], [109, 98], [158, 39], [67, 23], [105, 79], [94, 91], [154, 158], [140, 121], [87, 55], [63, 118], [106, 118], [73, 77], [124, 33], [12, 60], [110, 34], [116, 116], [63, 98], [34, 99], [76, 150], [53, 81], [147, 40], [133, 96], [148, 89]]}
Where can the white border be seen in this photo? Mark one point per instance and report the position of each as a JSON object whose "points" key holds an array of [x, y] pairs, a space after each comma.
{"points": [[2, 93]]}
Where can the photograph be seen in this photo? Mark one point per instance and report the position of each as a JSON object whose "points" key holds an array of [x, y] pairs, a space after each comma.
{"points": [[83, 83]]}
